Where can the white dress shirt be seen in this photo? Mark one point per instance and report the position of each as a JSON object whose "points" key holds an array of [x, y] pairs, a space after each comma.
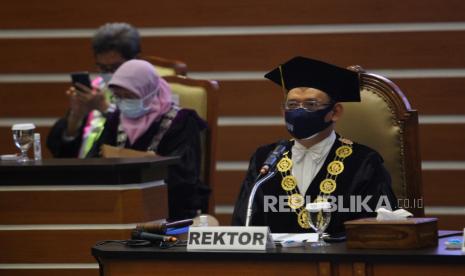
{"points": [[307, 162]]}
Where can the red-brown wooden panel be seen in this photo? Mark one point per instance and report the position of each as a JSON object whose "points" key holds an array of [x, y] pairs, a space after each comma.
{"points": [[33, 99], [434, 191], [450, 222], [437, 49], [416, 268], [215, 266], [146, 13], [238, 143], [238, 98], [54, 246], [50, 272], [430, 96], [438, 141], [83, 206], [442, 141], [434, 96], [229, 184]]}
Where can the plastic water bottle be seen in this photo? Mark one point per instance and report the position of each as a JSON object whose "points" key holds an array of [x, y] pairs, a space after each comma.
{"points": [[37, 147], [203, 221]]}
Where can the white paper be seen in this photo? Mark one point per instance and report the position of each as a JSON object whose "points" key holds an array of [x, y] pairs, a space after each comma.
{"points": [[294, 239], [9, 157], [385, 214]]}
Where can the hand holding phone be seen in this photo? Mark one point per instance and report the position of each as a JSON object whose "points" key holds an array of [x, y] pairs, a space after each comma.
{"points": [[82, 78]]}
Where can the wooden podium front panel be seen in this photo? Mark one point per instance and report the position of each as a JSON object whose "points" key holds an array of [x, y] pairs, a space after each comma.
{"points": [[54, 246], [50, 272], [52, 212], [206, 267], [417, 269], [83, 204]]}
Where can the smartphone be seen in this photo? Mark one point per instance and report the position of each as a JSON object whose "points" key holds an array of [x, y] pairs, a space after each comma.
{"points": [[82, 78]]}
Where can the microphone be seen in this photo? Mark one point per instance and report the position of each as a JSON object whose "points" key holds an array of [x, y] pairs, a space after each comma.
{"points": [[267, 170], [140, 235], [160, 228], [273, 157]]}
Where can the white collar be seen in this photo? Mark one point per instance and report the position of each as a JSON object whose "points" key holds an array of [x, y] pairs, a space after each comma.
{"points": [[317, 151]]}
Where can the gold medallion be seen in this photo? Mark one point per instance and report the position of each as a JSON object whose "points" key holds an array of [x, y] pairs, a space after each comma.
{"points": [[335, 167], [328, 186], [284, 164], [289, 183], [303, 219], [346, 141], [320, 199], [343, 151], [296, 201]]}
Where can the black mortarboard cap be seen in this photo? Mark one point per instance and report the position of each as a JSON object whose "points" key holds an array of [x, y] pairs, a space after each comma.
{"points": [[342, 85]]}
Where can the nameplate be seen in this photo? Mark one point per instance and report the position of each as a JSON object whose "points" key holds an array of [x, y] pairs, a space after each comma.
{"points": [[229, 238]]}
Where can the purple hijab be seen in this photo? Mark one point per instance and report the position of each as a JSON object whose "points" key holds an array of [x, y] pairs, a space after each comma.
{"points": [[140, 77]]}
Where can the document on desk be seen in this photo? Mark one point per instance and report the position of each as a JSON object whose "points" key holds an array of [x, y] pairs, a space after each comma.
{"points": [[294, 239]]}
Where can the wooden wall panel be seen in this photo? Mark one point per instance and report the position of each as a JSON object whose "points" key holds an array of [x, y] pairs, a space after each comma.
{"points": [[438, 141], [238, 98], [33, 99], [442, 141], [250, 52], [146, 13], [430, 96], [435, 96], [229, 184], [450, 222], [434, 191], [54, 246], [238, 143]]}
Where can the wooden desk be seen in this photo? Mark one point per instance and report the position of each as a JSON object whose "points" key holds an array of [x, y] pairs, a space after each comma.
{"points": [[336, 259], [53, 211]]}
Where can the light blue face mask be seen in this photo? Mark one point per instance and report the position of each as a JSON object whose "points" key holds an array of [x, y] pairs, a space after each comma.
{"points": [[106, 77], [134, 108]]}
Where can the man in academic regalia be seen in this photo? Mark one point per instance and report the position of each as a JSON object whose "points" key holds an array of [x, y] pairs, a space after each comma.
{"points": [[318, 165]]}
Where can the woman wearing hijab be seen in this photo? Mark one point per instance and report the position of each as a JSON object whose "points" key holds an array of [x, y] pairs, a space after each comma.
{"points": [[147, 120]]}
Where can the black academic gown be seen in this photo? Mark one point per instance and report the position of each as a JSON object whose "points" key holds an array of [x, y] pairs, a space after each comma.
{"points": [[364, 174], [186, 193]]}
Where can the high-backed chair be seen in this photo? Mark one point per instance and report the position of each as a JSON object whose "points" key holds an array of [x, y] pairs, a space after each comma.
{"points": [[167, 67], [384, 121], [201, 95]]}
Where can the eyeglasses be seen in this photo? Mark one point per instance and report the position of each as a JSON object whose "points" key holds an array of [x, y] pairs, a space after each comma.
{"points": [[309, 106], [108, 68]]}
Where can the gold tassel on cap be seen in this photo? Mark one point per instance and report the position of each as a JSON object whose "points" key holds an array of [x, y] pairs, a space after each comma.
{"points": [[283, 86]]}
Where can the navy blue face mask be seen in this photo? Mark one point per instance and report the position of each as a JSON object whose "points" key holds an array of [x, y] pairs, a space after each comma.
{"points": [[303, 124]]}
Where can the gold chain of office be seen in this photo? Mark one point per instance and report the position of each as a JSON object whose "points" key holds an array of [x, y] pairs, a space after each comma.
{"points": [[327, 186]]}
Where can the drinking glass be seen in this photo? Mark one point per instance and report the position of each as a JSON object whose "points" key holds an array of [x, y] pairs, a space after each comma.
{"points": [[23, 135], [319, 216]]}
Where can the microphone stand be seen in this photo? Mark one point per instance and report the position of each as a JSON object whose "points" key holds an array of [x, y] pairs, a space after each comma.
{"points": [[257, 185]]}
